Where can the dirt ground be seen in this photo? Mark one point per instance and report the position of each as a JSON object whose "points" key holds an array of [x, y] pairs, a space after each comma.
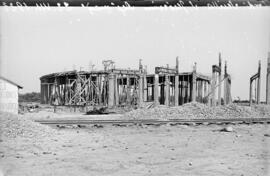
{"points": [[141, 150]]}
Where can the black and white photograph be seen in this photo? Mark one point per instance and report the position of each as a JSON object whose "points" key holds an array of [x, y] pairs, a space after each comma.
{"points": [[153, 88]]}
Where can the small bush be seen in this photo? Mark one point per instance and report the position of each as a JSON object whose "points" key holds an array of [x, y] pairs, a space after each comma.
{"points": [[29, 97]]}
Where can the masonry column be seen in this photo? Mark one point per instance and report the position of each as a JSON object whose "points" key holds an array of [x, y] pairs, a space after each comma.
{"points": [[156, 80], [225, 94], [225, 91], [219, 80], [111, 91], [194, 77], [250, 92], [200, 90], [268, 81], [213, 91], [259, 84], [41, 93], [48, 94], [167, 90], [176, 84], [116, 91], [176, 90], [140, 90], [209, 95], [229, 96]]}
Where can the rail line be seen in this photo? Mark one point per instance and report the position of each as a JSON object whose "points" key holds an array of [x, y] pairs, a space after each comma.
{"points": [[155, 121]]}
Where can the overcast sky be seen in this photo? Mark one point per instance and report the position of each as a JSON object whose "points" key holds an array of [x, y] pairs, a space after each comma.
{"points": [[37, 42]]}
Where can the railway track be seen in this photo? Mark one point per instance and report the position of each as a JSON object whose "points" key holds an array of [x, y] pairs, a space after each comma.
{"points": [[155, 122]]}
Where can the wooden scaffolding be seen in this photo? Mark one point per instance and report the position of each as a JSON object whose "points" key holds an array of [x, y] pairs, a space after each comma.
{"points": [[113, 87]]}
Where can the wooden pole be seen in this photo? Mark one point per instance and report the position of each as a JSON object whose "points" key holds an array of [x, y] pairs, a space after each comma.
{"points": [[156, 82], [66, 91], [162, 92], [182, 90], [48, 94], [128, 90], [99, 77], [152, 89], [187, 98], [77, 90]]}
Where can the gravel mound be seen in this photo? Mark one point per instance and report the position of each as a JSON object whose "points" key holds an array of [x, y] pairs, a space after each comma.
{"points": [[262, 110], [12, 126], [199, 111]]}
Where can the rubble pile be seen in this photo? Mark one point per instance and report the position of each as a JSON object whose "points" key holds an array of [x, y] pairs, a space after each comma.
{"points": [[262, 110], [12, 126], [199, 111]]}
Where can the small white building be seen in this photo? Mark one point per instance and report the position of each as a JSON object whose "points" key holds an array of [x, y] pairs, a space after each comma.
{"points": [[9, 96]]}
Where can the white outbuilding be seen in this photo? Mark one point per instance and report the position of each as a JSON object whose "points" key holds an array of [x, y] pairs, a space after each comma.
{"points": [[9, 96]]}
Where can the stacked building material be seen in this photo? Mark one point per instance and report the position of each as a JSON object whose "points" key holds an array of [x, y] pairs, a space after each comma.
{"points": [[199, 111]]}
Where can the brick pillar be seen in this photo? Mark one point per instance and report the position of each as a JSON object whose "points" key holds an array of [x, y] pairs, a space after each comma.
{"points": [[156, 101], [213, 91], [140, 91], [250, 92], [176, 90], [268, 81], [116, 91], [193, 94], [219, 80], [167, 90], [111, 91]]}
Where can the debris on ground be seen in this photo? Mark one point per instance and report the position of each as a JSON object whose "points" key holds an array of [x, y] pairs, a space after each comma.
{"points": [[147, 105], [196, 110], [228, 129], [12, 126], [98, 110], [28, 107]]}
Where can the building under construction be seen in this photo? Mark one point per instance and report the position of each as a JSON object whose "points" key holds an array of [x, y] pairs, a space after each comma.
{"points": [[113, 87]]}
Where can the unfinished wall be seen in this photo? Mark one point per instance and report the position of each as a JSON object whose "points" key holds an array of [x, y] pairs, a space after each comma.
{"points": [[8, 97]]}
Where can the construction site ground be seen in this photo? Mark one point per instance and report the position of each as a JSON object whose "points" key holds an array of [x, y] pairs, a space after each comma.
{"points": [[29, 148]]}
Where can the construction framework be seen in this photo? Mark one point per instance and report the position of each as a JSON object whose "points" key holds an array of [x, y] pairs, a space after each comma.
{"points": [[257, 87], [216, 85], [114, 87]]}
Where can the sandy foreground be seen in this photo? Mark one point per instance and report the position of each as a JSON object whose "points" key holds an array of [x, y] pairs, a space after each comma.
{"points": [[140, 150]]}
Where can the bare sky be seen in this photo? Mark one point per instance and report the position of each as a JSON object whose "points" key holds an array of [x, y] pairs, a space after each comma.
{"points": [[37, 42]]}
